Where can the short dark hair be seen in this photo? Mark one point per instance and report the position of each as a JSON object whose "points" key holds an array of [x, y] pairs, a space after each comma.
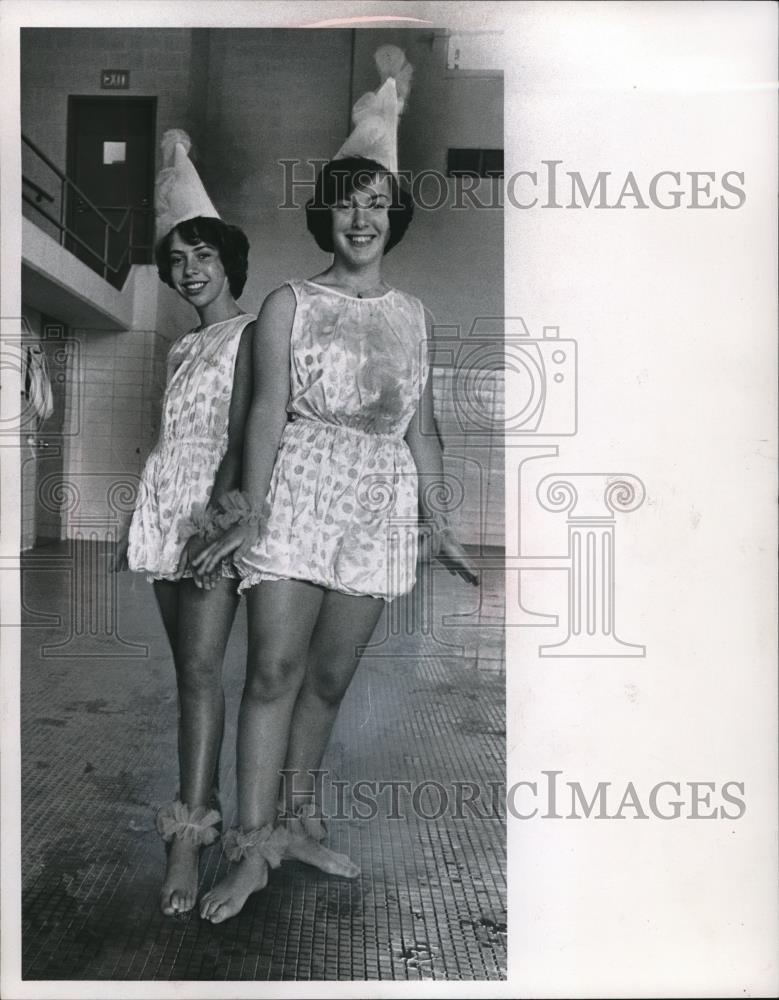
{"points": [[337, 180], [230, 241]]}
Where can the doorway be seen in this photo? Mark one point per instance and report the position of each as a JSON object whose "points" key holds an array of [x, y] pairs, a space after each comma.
{"points": [[110, 159]]}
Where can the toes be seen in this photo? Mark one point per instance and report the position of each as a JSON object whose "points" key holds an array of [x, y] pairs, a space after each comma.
{"points": [[210, 905], [339, 864], [348, 869], [220, 914], [324, 859], [214, 910], [175, 902], [182, 902]]}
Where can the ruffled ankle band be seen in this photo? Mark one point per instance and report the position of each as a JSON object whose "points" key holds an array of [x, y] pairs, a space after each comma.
{"points": [[305, 821], [198, 826], [267, 842]]}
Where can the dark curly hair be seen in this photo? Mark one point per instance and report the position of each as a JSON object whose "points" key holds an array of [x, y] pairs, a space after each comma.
{"points": [[230, 241], [337, 180]]}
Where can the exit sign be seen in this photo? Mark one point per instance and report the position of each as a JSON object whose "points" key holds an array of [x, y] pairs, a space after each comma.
{"points": [[115, 79]]}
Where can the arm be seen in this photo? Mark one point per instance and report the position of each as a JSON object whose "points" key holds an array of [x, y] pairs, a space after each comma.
{"points": [[423, 441], [228, 474], [267, 416]]}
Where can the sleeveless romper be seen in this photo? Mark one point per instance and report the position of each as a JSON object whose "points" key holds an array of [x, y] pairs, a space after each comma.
{"points": [[180, 471], [343, 494]]}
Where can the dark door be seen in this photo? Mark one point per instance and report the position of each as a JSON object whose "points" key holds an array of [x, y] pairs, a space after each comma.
{"points": [[111, 162]]}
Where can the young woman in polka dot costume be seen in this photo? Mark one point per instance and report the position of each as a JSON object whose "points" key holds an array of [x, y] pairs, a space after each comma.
{"points": [[195, 463], [336, 442]]}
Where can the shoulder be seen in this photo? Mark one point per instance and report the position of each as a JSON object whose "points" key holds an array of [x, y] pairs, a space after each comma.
{"points": [[183, 340], [281, 300], [182, 346], [411, 299], [246, 324], [243, 330], [275, 321], [246, 333], [418, 310]]}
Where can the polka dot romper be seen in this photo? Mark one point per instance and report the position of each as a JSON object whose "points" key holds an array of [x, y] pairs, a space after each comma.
{"points": [[343, 494], [181, 469]]}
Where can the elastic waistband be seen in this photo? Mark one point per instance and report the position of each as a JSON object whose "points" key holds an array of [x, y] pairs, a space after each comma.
{"points": [[174, 439], [355, 432]]}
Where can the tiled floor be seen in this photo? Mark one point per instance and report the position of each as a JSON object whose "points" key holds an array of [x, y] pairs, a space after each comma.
{"points": [[425, 712]]}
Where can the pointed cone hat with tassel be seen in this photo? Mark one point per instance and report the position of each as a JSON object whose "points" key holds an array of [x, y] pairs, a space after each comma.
{"points": [[178, 192], [375, 116]]}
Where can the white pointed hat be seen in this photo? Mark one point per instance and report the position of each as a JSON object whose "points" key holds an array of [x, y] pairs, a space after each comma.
{"points": [[375, 116], [178, 192]]}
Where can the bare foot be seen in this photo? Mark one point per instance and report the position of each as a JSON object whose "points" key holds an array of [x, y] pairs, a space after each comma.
{"points": [[179, 888], [306, 849], [246, 876]]}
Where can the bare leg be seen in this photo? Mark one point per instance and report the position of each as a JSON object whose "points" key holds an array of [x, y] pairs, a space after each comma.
{"points": [[167, 594], [344, 625], [198, 624], [281, 617]]}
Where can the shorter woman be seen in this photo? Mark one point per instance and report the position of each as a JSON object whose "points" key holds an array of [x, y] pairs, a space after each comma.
{"points": [[197, 460]]}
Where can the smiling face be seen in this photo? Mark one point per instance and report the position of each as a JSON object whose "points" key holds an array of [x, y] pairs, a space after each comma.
{"points": [[197, 272], [361, 224]]}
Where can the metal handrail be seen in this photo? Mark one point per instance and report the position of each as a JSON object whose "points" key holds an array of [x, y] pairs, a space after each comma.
{"points": [[61, 225], [114, 269], [39, 191], [66, 180]]}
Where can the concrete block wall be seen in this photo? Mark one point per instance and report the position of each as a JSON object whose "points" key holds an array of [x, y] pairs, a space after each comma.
{"points": [[473, 454], [28, 426], [113, 420], [273, 95], [28, 463], [40, 440], [115, 390], [251, 99], [56, 63]]}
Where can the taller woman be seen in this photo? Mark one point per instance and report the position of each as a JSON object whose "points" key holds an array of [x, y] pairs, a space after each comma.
{"points": [[340, 429]]}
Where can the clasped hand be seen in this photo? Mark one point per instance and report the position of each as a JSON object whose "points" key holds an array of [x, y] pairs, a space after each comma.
{"points": [[238, 539], [204, 580]]}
